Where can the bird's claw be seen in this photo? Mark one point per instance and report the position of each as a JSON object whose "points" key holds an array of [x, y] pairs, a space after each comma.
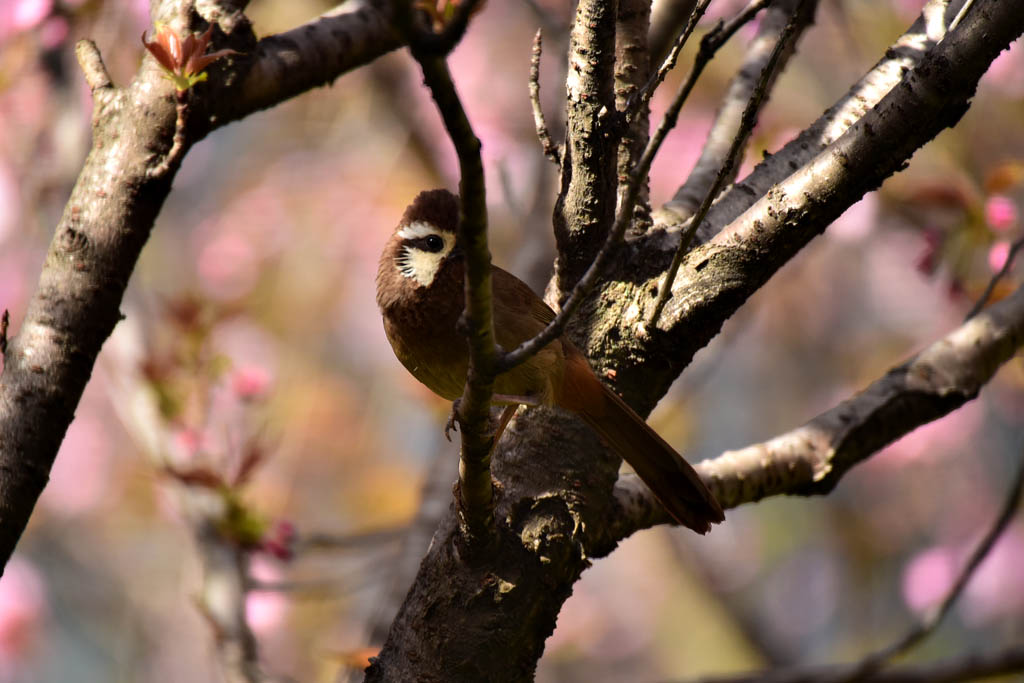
{"points": [[453, 419]]}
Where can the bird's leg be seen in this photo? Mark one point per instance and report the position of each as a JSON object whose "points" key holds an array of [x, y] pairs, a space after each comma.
{"points": [[509, 401]]}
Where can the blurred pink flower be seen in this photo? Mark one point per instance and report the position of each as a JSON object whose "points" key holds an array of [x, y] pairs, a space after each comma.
{"points": [[265, 610], [227, 266], [189, 442], [23, 606], [26, 14], [997, 255], [928, 577], [1000, 213], [250, 382]]}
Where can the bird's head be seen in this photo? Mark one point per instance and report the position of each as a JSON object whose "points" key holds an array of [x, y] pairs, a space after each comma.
{"points": [[423, 242], [425, 237]]}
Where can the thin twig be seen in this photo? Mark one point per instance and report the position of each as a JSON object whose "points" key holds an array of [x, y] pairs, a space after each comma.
{"points": [[91, 62], [931, 620], [747, 123], [354, 541], [551, 150], [178, 145], [710, 44], [644, 95], [969, 667], [961, 14], [723, 131], [5, 320], [983, 299]]}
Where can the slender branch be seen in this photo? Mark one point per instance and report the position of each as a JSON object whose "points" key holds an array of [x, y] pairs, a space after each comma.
{"points": [[728, 119], [747, 123], [549, 147], [870, 667], [811, 459], [667, 18], [967, 668], [874, 662], [473, 409], [983, 299]]}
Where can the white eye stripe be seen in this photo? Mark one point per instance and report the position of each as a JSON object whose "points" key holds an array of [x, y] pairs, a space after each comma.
{"points": [[418, 229]]}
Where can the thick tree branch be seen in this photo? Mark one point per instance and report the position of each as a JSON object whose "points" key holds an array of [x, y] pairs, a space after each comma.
{"points": [[812, 459], [585, 208], [716, 278]]}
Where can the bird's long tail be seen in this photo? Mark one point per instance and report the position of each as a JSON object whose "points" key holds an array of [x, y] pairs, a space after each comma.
{"points": [[672, 480]]}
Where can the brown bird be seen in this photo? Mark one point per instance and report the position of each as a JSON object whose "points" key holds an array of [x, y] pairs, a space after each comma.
{"points": [[420, 294]]}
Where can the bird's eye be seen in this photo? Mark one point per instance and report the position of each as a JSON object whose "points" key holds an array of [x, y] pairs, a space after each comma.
{"points": [[434, 243]]}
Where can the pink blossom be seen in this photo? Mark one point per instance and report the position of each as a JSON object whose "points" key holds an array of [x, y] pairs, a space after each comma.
{"points": [[928, 577], [189, 441], [1000, 213], [23, 607], [998, 253], [250, 382], [265, 610], [28, 14]]}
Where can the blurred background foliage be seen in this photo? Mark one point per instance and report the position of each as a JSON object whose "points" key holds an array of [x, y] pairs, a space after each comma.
{"points": [[252, 352]]}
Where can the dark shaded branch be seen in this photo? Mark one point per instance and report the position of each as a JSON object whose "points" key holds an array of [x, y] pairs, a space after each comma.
{"points": [[727, 124], [473, 409], [811, 459], [730, 160], [284, 65]]}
